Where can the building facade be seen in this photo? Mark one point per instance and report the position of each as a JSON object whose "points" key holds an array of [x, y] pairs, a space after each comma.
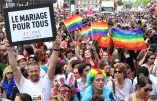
{"points": [[12, 3], [88, 4]]}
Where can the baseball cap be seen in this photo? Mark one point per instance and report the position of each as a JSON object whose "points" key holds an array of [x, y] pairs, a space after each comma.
{"points": [[19, 57]]}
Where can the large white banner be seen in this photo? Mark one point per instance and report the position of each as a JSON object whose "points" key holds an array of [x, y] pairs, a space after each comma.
{"points": [[30, 24]]}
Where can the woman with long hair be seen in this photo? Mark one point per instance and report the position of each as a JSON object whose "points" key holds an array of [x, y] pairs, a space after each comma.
{"points": [[88, 57], [149, 61], [143, 88]]}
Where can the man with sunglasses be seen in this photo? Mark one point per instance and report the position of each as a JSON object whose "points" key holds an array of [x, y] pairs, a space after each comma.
{"points": [[143, 72]]}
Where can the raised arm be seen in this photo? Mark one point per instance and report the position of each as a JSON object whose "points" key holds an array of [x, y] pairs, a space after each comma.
{"points": [[77, 53], [142, 60], [95, 53], [13, 63], [54, 58], [155, 67]]}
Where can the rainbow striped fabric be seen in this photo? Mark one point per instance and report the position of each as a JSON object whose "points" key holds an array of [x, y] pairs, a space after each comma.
{"points": [[99, 28], [73, 22], [104, 41], [87, 31], [128, 39]]}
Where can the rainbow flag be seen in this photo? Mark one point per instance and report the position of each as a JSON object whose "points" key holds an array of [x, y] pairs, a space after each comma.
{"points": [[100, 28], [104, 41], [128, 39], [87, 31], [73, 22]]}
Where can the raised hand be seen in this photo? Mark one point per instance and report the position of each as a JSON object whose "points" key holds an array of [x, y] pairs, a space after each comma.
{"points": [[56, 43], [5, 45]]}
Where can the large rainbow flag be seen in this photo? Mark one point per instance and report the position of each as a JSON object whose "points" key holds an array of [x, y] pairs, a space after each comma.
{"points": [[128, 39], [99, 28], [87, 31], [73, 22]]}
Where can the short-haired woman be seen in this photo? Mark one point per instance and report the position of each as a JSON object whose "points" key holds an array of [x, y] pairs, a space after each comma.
{"points": [[121, 86]]}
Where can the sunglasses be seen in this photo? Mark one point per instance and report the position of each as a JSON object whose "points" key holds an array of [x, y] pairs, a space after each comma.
{"points": [[147, 90], [65, 91], [152, 58], [117, 72], [83, 43]]}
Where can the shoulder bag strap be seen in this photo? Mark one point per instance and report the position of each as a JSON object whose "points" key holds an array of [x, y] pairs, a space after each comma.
{"points": [[113, 86]]}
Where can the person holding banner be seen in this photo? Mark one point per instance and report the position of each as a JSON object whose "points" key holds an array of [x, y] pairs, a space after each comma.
{"points": [[38, 88]]}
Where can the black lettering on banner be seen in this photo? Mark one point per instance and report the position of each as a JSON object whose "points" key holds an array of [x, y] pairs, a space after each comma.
{"points": [[27, 25], [37, 16], [37, 24], [14, 19], [41, 16], [36, 21], [20, 26], [23, 25], [33, 22], [31, 16], [42, 23], [45, 14], [46, 23], [22, 18], [27, 17], [14, 26]]}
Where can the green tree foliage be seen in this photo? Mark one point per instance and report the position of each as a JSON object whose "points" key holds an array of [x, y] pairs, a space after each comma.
{"points": [[120, 2], [128, 4], [141, 2]]}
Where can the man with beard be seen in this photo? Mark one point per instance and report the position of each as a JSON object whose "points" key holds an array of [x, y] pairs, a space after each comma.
{"points": [[38, 88]]}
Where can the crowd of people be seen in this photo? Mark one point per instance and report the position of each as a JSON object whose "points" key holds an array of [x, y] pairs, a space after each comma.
{"points": [[77, 68]]}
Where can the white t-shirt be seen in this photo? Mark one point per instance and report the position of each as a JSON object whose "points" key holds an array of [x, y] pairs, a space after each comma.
{"points": [[3, 99], [40, 90], [42, 73], [125, 91], [154, 84]]}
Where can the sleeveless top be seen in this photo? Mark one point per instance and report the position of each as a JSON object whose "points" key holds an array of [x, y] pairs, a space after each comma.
{"points": [[131, 97]]}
